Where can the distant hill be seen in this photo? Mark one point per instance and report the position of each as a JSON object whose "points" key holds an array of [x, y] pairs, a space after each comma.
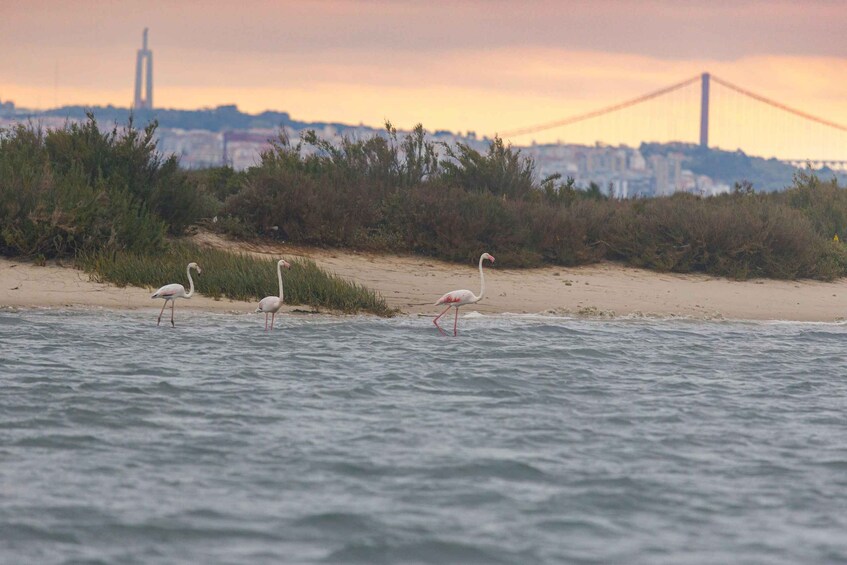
{"points": [[722, 166], [732, 166], [222, 118]]}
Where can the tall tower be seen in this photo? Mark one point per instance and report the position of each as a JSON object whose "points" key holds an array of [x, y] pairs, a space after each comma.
{"points": [[704, 110], [144, 54]]}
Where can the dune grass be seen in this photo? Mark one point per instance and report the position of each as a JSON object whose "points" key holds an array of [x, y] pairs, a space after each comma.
{"points": [[236, 276]]}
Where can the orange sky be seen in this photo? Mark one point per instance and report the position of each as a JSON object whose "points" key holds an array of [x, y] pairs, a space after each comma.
{"points": [[487, 66]]}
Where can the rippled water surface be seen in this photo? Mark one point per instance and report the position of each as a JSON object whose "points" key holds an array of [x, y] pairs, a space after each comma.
{"points": [[360, 440]]}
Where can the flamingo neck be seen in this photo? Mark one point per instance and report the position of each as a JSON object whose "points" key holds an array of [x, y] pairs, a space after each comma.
{"points": [[279, 275], [190, 283], [481, 282]]}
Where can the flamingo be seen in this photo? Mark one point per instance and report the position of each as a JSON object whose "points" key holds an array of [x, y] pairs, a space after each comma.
{"points": [[173, 291], [458, 298], [272, 304]]}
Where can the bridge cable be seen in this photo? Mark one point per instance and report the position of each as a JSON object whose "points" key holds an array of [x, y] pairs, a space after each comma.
{"points": [[776, 104], [600, 112]]}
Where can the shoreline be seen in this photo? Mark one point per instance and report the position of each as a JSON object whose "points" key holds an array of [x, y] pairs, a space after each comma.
{"points": [[26, 285], [412, 284]]}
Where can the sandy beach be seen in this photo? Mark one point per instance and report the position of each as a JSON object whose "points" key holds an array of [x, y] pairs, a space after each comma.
{"points": [[26, 285], [412, 284]]}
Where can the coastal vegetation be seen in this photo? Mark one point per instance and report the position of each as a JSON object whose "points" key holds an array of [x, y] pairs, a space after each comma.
{"points": [[234, 275], [77, 188], [411, 195], [109, 200], [109, 197]]}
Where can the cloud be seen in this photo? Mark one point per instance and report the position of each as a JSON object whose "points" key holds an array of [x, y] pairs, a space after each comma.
{"points": [[668, 29]]}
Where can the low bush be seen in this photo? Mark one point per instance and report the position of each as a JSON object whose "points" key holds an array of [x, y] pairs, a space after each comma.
{"points": [[353, 195], [824, 203], [735, 236], [79, 188]]}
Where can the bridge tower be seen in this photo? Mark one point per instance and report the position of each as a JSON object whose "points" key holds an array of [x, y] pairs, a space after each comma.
{"points": [[144, 56], [704, 110]]}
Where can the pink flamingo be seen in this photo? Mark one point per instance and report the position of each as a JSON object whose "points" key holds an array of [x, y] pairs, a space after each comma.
{"points": [[173, 291], [272, 304], [458, 298]]}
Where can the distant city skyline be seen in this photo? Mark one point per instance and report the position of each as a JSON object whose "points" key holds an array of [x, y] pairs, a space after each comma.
{"points": [[465, 65]]}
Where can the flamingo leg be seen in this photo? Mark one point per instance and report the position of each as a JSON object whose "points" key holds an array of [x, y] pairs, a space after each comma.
{"points": [[272, 320], [161, 311], [266, 321], [435, 321], [456, 322], [173, 304]]}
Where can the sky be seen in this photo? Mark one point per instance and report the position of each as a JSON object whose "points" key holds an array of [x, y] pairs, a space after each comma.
{"points": [[486, 66]]}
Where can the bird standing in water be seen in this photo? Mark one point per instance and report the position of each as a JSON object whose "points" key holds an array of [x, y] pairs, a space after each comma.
{"points": [[170, 292], [457, 298], [272, 304]]}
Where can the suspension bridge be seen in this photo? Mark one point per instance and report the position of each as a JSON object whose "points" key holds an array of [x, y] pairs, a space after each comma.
{"points": [[713, 112]]}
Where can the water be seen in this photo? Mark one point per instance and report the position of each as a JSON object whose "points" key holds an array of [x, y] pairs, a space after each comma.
{"points": [[359, 440]]}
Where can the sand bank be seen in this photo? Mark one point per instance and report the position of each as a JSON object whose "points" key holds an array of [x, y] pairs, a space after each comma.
{"points": [[26, 285], [413, 284]]}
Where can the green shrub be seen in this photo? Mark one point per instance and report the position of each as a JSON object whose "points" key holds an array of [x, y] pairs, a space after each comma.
{"points": [[824, 203], [733, 235], [76, 188], [79, 190], [216, 183], [388, 194], [502, 171]]}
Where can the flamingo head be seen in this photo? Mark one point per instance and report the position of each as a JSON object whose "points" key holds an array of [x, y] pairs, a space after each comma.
{"points": [[196, 267], [487, 256], [284, 263]]}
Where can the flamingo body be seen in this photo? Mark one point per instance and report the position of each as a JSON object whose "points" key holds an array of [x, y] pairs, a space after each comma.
{"points": [[457, 298], [269, 304], [170, 292], [272, 304]]}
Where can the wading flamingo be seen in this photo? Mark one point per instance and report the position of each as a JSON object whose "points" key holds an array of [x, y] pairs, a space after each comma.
{"points": [[272, 304], [173, 291], [458, 298]]}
